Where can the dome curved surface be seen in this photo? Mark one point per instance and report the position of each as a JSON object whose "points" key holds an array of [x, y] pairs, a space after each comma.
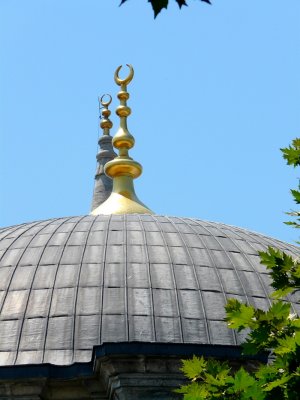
{"points": [[69, 284]]}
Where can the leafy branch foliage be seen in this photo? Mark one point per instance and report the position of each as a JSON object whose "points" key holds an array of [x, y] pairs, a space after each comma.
{"points": [[158, 5], [276, 331], [292, 156]]}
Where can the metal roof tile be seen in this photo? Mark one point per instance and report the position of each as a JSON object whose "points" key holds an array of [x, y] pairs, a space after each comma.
{"points": [[29, 357], [136, 254], [168, 329], [220, 334], [139, 301], [180, 256], [114, 254], [91, 275], [67, 276], [185, 277], [135, 237], [44, 276], [71, 255], [87, 332], [113, 301], [114, 328], [33, 334], [161, 276], [39, 240], [93, 254], [190, 304], [214, 304], [62, 302], [253, 284], [165, 303], [231, 281], [39, 303], [10, 257], [221, 258], [158, 254], [9, 334], [114, 275], [137, 275], [201, 257], [51, 255], [240, 261], [194, 331], [208, 279], [140, 328], [58, 357], [5, 276], [88, 300], [115, 237], [14, 304], [153, 238], [22, 278], [59, 334]]}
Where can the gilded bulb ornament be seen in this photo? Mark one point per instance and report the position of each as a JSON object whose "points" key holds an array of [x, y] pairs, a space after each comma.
{"points": [[105, 123], [123, 169]]}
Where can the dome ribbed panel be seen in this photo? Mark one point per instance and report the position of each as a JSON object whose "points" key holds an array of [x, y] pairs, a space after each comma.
{"points": [[69, 284]]}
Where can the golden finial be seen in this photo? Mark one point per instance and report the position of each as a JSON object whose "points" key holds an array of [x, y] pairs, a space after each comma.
{"points": [[127, 80], [103, 183], [123, 169], [105, 123]]}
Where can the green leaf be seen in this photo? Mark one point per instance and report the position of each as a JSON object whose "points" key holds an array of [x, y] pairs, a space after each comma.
{"points": [[297, 338], [279, 310], [296, 195], [215, 367], [241, 381], [285, 345], [238, 315], [219, 380], [250, 348], [294, 224], [277, 383], [280, 293], [193, 391], [292, 153], [295, 323], [194, 367]]}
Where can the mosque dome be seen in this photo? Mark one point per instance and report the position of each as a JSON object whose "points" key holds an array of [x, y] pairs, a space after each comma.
{"points": [[105, 305], [70, 284]]}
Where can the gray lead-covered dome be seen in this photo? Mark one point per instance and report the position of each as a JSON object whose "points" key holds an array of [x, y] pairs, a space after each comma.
{"points": [[72, 283]]}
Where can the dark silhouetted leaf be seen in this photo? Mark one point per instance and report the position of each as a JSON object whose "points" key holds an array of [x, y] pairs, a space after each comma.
{"points": [[181, 3], [158, 5]]}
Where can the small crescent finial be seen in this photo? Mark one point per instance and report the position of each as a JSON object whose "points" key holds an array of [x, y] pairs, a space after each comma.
{"points": [[127, 80], [105, 122], [105, 103]]}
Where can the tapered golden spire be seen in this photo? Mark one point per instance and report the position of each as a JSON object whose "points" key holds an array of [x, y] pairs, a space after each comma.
{"points": [[123, 169]]}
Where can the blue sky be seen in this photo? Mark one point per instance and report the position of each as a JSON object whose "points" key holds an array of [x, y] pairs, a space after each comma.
{"points": [[215, 95]]}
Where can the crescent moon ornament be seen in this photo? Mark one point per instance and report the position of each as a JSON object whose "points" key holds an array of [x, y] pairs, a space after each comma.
{"points": [[127, 80], [105, 103]]}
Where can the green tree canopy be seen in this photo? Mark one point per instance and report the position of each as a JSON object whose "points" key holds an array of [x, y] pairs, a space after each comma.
{"points": [[276, 331]]}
